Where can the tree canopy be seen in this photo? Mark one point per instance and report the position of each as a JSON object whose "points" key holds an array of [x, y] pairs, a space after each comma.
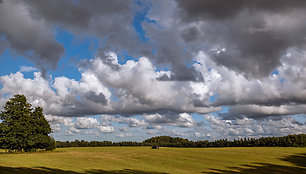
{"points": [[24, 128]]}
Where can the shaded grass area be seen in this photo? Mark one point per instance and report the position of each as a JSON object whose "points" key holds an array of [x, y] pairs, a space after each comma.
{"points": [[299, 167], [46, 170], [144, 160], [263, 168], [298, 160]]}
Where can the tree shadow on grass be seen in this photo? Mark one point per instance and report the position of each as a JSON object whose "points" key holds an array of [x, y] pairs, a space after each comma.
{"points": [[298, 160], [39, 170], [125, 171], [46, 170]]}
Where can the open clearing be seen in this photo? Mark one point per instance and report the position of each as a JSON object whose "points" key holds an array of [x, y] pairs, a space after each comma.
{"points": [[144, 160]]}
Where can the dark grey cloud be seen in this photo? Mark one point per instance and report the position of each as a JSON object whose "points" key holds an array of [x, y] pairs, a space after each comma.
{"points": [[268, 101], [97, 98], [194, 10], [256, 54], [111, 22], [199, 103], [254, 40], [76, 14], [27, 26], [190, 34], [217, 9], [28, 37], [262, 112], [182, 73]]}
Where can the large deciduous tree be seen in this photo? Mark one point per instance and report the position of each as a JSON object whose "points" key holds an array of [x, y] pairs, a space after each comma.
{"points": [[24, 128]]}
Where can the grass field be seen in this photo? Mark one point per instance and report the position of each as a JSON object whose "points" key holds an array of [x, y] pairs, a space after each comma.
{"points": [[144, 160]]}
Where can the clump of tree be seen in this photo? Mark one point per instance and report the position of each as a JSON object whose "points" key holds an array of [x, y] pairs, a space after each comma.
{"points": [[167, 141], [23, 128]]}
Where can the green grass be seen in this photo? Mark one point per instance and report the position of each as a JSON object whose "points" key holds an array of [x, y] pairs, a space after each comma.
{"points": [[145, 160]]}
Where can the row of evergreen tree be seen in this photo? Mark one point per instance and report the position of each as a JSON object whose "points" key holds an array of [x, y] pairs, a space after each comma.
{"points": [[167, 141]]}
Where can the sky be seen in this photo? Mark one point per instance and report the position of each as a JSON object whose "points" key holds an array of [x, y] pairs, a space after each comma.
{"points": [[128, 70]]}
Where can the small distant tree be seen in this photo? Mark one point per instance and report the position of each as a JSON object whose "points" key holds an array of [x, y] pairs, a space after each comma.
{"points": [[24, 128]]}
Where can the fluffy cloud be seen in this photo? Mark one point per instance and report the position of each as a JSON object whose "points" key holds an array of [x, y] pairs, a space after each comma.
{"points": [[131, 122], [72, 131], [139, 91], [106, 129], [86, 123], [56, 121], [135, 85], [177, 120], [27, 69], [135, 88], [121, 135], [66, 121], [246, 127], [153, 121], [55, 127], [280, 93], [65, 97]]}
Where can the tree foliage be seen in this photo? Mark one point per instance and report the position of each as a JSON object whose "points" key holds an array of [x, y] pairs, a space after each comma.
{"points": [[24, 128]]}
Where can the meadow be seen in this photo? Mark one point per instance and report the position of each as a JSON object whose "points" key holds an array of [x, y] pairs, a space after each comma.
{"points": [[144, 160]]}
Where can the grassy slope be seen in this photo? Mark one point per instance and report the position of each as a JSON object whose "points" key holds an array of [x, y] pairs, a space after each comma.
{"points": [[169, 160]]}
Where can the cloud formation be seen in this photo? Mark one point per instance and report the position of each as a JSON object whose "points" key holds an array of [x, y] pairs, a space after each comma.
{"points": [[27, 69], [28, 26], [28, 36], [134, 88], [86, 123], [187, 57], [255, 34], [170, 119], [246, 127]]}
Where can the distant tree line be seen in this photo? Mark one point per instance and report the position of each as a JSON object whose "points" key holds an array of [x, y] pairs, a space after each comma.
{"points": [[167, 141]]}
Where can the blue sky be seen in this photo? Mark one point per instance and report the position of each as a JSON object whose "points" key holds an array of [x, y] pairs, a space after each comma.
{"points": [[131, 70]]}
